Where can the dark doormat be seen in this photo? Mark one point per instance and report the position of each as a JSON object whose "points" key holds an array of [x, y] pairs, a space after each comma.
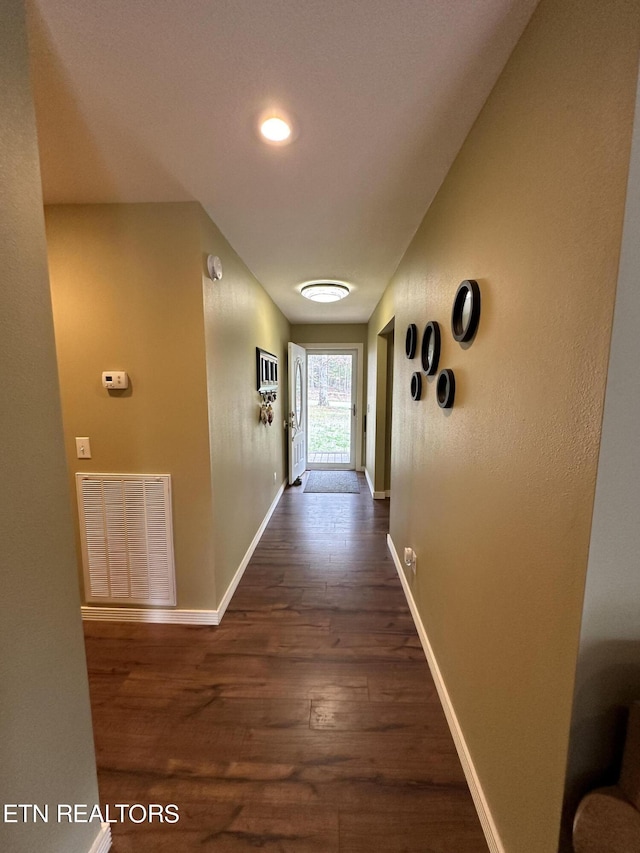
{"points": [[332, 481]]}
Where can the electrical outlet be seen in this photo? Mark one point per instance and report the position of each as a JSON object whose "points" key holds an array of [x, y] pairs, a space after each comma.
{"points": [[410, 559]]}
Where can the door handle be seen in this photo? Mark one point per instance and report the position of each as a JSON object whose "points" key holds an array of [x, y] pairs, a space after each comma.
{"points": [[354, 410]]}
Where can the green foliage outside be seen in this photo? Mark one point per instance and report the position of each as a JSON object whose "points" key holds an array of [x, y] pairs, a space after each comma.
{"points": [[329, 428]]}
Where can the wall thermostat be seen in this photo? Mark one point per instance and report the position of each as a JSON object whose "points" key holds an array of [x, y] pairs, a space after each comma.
{"points": [[115, 380], [214, 267]]}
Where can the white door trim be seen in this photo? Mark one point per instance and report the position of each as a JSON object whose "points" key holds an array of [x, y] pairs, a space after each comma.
{"points": [[359, 388]]}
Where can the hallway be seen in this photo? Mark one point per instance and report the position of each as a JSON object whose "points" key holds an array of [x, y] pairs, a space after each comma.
{"points": [[306, 721]]}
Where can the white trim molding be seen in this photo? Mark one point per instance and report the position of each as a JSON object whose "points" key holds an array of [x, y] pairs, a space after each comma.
{"points": [[378, 496], [482, 807], [359, 349], [173, 616], [102, 844], [226, 598]]}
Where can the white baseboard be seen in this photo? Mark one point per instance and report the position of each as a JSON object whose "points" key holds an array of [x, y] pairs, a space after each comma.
{"points": [[173, 616], [482, 807], [226, 598], [102, 844], [375, 495], [387, 493]]}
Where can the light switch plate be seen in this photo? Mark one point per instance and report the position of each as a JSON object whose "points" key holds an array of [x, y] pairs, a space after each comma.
{"points": [[83, 448]]}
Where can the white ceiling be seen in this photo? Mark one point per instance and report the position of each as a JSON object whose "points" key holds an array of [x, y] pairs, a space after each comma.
{"points": [[158, 100]]}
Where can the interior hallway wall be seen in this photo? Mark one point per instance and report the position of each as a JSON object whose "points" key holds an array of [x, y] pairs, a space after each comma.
{"points": [[376, 384], [130, 293], [127, 295], [47, 754], [608, 671], [496, 495], [248, 459], [388, 430]]}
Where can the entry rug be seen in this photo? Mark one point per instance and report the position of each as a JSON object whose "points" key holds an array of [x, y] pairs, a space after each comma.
{"points": [[332, 481]]}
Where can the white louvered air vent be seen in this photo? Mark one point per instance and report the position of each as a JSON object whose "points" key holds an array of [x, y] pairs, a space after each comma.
{"points": [[127, 541]]}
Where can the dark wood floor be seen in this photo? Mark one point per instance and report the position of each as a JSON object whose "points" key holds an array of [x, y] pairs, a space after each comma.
{"points": [[307, 721]]}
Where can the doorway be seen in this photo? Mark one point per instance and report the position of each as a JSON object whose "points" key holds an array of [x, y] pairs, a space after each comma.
{"points": [[331, 408]]}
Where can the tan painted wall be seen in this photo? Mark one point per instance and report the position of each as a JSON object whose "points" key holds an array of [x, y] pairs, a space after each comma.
{"points": [[377, 362], [389, 410], [496, 497], [245, 455], [127, 295], [47, 754], [129, 292], [330, 333], [607, 672]]}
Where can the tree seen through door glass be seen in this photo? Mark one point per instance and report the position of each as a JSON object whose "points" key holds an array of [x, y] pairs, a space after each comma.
{"points": [[329, 405]]}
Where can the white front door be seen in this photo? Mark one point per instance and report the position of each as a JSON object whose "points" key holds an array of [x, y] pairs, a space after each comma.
{"points": [[297, 417]]}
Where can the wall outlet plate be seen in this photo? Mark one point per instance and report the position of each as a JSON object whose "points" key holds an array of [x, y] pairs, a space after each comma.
{"points": [[410, 559]]}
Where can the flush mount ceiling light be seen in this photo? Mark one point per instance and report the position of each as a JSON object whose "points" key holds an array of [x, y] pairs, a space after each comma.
{"points": [[276, 130], [325, 291]]}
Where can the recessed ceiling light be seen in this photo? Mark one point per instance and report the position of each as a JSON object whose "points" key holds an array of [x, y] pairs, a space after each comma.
{"points": [[325, 291], [275, 129]]}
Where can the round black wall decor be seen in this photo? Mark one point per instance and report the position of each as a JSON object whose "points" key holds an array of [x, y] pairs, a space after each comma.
{"points": [[431, 348], [446, 389], [416, 386], [411, 341], [466, 311]]}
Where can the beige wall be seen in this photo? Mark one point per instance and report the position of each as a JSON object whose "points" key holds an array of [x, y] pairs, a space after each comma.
{"points": [[330, 333], [47, 753], [129, 293], [389, 409], [496, 497], [607, 673], [248, 459], [377, 362]]}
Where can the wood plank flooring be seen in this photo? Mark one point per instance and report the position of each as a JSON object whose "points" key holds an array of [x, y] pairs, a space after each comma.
{"points": [[307, 722]]}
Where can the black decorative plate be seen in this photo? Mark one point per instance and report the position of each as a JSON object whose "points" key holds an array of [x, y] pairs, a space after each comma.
{"points": [[416, 386], [411, 341], [446, 389], [466, 311], [431, 348]]}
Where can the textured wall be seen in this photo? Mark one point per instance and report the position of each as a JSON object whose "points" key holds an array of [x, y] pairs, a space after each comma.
{"points": [[239, 316], [127, 295], [329, 333], [608, 672], [129, 292], [496, 497], [377, 362], [46, 752]]}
